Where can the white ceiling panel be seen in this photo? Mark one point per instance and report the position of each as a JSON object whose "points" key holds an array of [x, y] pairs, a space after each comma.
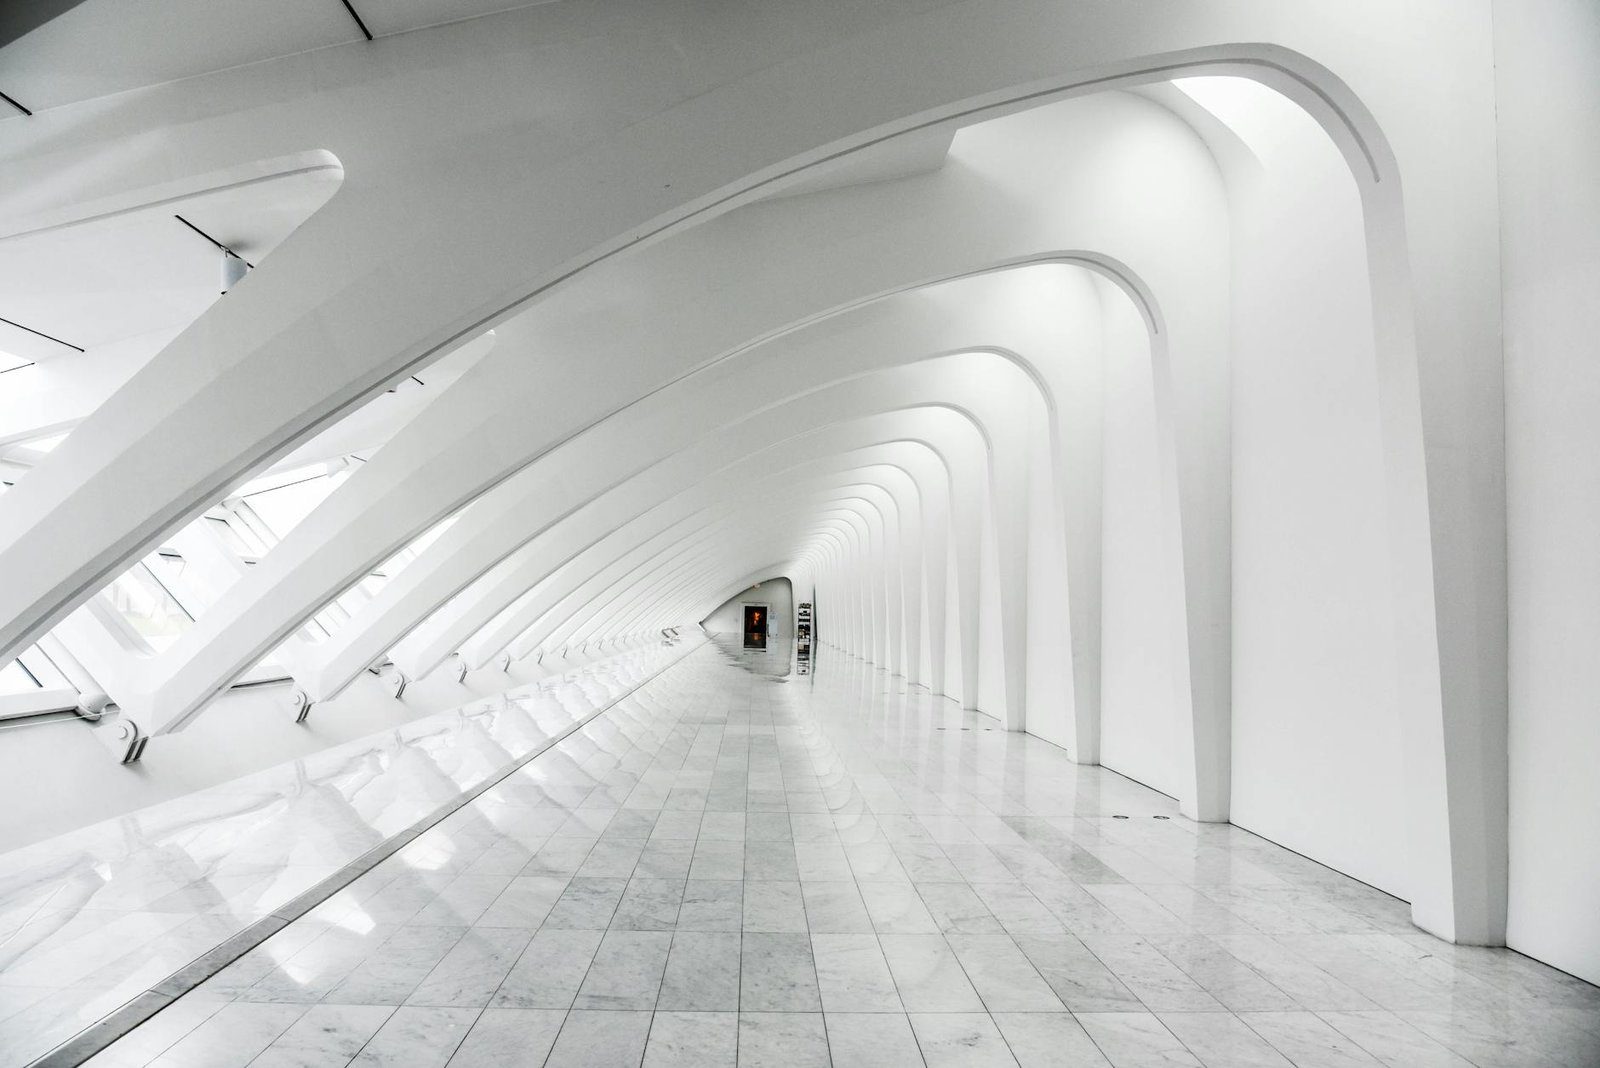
{"points": [[384, 17], [108, 46], [105, 279]]}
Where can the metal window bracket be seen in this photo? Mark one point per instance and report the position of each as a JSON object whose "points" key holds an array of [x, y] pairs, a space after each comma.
{"points": [[125, 738]]}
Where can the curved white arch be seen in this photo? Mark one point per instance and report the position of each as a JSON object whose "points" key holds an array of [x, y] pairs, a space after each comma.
{"points": [[345, 307]]}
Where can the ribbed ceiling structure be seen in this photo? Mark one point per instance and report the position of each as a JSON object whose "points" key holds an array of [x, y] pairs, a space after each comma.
{"points": [[571, 322]]}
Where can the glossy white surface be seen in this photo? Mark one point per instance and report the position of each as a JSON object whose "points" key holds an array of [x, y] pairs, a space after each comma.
{"points": [[735, 862], [91, 919]]}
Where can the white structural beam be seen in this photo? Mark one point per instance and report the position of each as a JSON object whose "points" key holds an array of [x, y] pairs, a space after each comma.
{"points": [[450, 221]]}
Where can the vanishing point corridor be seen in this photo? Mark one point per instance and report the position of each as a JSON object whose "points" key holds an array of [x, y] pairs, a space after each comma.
{"points": [[738, 864]]}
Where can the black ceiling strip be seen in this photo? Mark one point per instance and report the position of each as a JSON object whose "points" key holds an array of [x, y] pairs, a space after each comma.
{"points": [[214, 241], [364, 31], [41, 333], [14, 104]]}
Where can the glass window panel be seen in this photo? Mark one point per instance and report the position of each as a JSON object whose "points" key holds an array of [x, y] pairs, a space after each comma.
{"points": [[45, 444], [268, 669], [227, 535], [283, 508], [355, 598], [14, 678], [393, 566], [167, 565], [153, 613], [44, 670], [309, 473], [321, 626]]}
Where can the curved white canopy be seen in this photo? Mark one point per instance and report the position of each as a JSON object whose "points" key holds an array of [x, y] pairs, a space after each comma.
{"points": [[751, 319]]}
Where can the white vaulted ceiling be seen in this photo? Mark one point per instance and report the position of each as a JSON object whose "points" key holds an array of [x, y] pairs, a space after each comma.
{"points": [[100, 47], [991, 326], [111, 275]]}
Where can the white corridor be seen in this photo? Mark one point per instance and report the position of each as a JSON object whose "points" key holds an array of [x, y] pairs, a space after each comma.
{"points": [[738, 864]]}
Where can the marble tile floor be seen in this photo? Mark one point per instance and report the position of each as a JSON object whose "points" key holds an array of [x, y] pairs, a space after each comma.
{"points": [[93, 919], [741, 866]]}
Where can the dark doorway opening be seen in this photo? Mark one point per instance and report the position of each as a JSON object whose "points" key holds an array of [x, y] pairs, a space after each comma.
{"points": [[755, 626]]}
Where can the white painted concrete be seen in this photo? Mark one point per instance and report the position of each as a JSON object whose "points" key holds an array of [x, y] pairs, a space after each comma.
{"points": [[1546, 56], [1137, 382]]}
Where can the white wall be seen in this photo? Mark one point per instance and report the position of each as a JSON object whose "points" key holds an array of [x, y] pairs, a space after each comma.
{"points": [[991, 688], [1315, 735], [775, 593], [1426, 86], [955, 683], [1548, 75], [1141, 609], [1316, 738]]}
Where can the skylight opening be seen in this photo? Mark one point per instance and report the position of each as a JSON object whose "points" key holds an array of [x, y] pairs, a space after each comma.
{"points": [[46, 444]]}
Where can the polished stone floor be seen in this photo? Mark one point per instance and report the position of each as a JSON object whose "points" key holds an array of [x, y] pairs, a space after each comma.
{"points": [[92, 921], [740, 865]]}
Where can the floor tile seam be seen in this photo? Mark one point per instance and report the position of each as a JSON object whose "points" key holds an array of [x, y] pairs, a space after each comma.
{"points": [[1223, 950], [164, 1050], [1285, 1054], [1308, 962], [257, 1056], [321, 891], [1321, 1015]]}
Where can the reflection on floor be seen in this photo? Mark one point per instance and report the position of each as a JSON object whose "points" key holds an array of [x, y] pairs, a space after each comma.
{"points": [[776, 660], [787, 870], [90, 921]]}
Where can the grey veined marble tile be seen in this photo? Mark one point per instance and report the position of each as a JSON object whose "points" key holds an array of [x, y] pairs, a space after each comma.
{"points": [[728, 869], [649, 905], [853, 975], [1047, 1039], [1136, 1040], [693, 1040], [1004, 977], [702, 972], [772, 906], [473, 969], [417, 1037], [872, 1040], [509, 1038], [927, 974], [712, 905], [777, 974], [591, 1039], [961, 1040], [326, 1034], [586, 904], [626, 971], [550, 970], [234, 1035], [782, 1040], [835, 907]]}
